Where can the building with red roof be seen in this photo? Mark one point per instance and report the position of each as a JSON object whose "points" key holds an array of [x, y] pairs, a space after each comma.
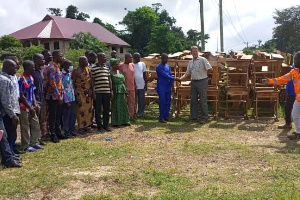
{"points": [[55, 33]]}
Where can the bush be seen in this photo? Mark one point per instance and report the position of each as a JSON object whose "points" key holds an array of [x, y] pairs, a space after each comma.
{"points": [[89, 42], [21, 52], [30, 51], [73, 55], [8, 41]]}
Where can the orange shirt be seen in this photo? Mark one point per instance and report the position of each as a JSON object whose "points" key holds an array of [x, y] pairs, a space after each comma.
{"points": [[128, 71], [294, 75]]}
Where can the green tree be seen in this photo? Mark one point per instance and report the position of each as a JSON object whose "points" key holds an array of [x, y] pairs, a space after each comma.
{"points": [[139, 25], [30, 51], [21, 52], [55, 11], [72, 12], [88, 42], [98, 21], [108, 26], [162, 40], [287, 31], [82, 16], [164, 18], [73, 55], [8, 41], [194, 38]]}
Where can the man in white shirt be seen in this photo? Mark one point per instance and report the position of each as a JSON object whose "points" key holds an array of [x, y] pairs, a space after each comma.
{"points": [[10, 127], [140, 78], [197, 70]]}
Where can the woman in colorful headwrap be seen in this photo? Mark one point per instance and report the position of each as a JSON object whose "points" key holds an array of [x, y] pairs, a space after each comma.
{"points": [[120, 113]]}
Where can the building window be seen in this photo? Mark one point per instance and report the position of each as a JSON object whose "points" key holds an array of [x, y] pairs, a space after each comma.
{"points": [[114, 48], [121, 50], [47, 46], [56, 45]]}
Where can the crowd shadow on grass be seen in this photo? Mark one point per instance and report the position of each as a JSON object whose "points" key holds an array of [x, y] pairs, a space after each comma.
{"points": [[175, 125], [290, 146], [241, 124]]}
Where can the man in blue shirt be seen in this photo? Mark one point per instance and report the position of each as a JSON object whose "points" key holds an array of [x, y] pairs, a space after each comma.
{"points": [[290, 91], [165, 82]]}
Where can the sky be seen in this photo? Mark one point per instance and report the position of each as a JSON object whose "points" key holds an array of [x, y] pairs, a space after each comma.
{"points": [[244, 20]]}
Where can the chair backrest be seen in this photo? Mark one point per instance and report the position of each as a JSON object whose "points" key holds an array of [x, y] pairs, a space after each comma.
{"points": [[264, 69], [151, 68], [181, 67], [238, 73], [214, 77]]}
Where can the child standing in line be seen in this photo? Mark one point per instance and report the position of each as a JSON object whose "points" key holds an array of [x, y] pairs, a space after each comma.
{"points": [[30, 127]]}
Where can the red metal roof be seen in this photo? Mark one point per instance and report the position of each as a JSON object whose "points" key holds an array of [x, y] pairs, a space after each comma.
{"points": [[55, 27]]}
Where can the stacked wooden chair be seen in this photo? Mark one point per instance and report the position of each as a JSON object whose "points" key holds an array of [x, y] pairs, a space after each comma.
{"points": [[182, 89], [267, 96], [213, 90], [237, 88], [151, 94]]}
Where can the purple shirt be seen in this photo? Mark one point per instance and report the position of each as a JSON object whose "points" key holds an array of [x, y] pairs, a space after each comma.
{"points": [[68, 92]]}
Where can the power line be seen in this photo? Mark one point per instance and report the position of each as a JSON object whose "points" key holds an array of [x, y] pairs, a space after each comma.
{"points": [[227, 15], [239, 20], [227, 27]]}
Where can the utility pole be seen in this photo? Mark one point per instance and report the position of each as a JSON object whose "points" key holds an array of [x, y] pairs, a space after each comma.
{"points": [[202, 26], [221, 25], [247, 43]]}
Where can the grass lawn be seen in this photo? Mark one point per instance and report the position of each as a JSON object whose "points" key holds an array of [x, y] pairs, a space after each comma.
{"points": [[225, 159], [232, 159]]}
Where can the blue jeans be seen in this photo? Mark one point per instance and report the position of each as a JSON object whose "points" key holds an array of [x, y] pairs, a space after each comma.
{"points": [[164, 105], [69, 118], [6, 152], [140, 94]]}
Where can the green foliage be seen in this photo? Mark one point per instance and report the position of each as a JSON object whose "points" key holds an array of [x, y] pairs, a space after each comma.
{"points": [[73, 13], [21, 52], [194, 38], [55, 11], [269, 46], [108, 26], [287, 30], [162, 40], [8, 41], [30, 51], [88, 42], [73, 55], [139, 25], [158, 33], [96, 197], [164, 18]]}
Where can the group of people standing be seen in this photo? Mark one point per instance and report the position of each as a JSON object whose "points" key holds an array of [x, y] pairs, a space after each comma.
{"points": [[50, 95]]}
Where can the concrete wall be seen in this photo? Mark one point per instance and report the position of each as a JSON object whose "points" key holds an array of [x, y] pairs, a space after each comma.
{"points": [[64, 45], [118, 50]]}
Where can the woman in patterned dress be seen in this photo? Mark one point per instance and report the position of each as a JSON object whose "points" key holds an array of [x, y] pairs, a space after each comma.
{"points": [[83, 91]]}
